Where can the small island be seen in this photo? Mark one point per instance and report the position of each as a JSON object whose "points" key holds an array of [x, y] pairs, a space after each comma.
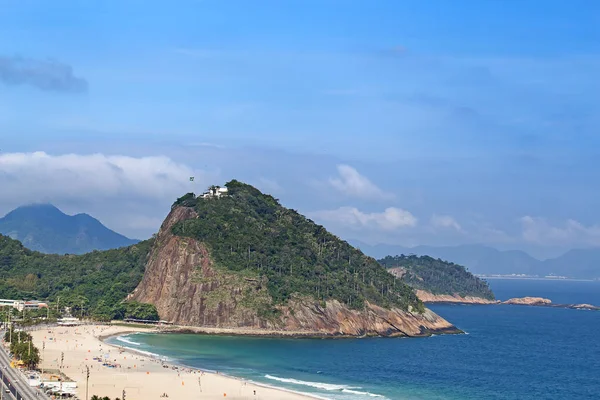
{"points": [[439, 281]]}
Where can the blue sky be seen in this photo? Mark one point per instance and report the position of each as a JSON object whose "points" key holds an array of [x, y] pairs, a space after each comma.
{"points": [[472, 121]]}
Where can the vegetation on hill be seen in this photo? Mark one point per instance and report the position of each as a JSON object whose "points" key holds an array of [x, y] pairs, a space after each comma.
{"points": [[251, 233], [438, 276], [93, 284], [44, 228]]}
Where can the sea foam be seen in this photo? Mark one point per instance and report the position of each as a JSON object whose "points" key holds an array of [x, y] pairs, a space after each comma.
{"points": [[326, 386], [363, 393], [318, 385], [125, 339]]}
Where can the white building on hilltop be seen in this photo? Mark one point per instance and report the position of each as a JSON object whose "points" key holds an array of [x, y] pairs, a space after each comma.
{"points": [[214, 191]]}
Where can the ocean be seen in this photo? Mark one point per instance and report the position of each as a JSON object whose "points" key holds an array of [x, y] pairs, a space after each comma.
{"points": [[509, 352]]}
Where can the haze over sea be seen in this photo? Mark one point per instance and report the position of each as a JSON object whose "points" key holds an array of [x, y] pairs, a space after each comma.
{"points": [[510, 352]]}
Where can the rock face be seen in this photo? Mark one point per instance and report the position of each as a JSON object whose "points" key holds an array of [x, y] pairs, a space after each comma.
{"points": [[337, 319], [528, 301], [187, 288], [398, 272], [428, 297]]}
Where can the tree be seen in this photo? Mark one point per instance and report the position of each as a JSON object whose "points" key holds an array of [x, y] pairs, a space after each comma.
{"points": [[72, 281], [438, 276], [135, 310], [250, 234], [22, 347]]}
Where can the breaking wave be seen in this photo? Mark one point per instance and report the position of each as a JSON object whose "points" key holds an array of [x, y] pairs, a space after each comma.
{"points": [[125, 339], [362, 393], [326, 386]]}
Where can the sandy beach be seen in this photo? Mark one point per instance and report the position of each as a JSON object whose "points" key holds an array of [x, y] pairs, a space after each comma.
{"points": [[142, 377]]}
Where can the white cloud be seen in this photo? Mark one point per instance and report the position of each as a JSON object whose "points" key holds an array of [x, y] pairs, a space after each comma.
{"points": [[390, 219], [539, 231], [445, 222], [351, 183], [40, 175], [130, 194]]}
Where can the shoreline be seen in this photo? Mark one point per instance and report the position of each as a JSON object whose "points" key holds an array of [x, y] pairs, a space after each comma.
{"points": [[280, 334], [171, 362], [143, 376], [534, 278], [581, 307]]}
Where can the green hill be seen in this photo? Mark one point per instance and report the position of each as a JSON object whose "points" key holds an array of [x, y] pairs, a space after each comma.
{"points": [[249, 232], [437, 276], [45, 228], [99, 280]]}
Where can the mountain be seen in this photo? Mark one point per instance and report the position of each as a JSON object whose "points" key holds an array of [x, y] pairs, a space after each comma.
{"points": [[437, 277], [479, 259], [485, 260], [44, 228], [578, 263], [99, 281], [238, 259]]}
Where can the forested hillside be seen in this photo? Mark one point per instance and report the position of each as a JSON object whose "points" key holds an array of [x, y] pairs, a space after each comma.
{"points": [[98, 281], [250, 232], [437, 276]]}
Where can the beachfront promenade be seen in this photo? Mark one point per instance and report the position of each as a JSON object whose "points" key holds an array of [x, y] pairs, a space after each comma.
{"points": [[13, 380]]}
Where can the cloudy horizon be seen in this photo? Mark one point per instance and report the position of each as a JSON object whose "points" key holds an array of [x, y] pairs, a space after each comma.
{"points": [[395, 124]]}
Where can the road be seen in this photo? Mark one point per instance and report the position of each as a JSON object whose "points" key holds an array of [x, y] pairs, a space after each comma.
{"points": [[5, 384], [19, 389]]}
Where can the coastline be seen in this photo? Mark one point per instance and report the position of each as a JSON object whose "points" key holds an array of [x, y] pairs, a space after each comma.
{"points": [[172, 363], [536, 278], [143, 376], [430, 298], [275, 333]]}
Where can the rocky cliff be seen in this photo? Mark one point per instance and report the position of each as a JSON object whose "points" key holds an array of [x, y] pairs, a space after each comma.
{"points": [[428, 297], [188, 288]]}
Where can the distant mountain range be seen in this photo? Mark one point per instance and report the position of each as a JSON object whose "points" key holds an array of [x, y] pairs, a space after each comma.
{"points": [[485, 260], [45, 228]]}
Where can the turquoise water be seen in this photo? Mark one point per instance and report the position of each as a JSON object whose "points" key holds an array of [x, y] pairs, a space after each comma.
{"points": [[510, 352]]}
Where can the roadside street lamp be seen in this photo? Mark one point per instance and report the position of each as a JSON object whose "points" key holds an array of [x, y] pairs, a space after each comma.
{"points": [[43, 348]]}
